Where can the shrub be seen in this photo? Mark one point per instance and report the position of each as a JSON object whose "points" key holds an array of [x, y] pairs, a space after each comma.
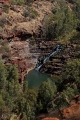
{"points": [[71, 71], [4, 49], [1, 29], [75, 38], [71, 1], [76, 7], [67, 95], [29, 1], [17, 2], [6, 8], [3, 21], [30, 13]]}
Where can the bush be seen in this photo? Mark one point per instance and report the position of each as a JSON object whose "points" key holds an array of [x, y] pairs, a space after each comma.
{"points": [[67, 95], [6, 8], [30, 13], [71, 71], [4, 49], [3, 21], [29, 1], [76, 9], [1, 29], [75, 38], [71, 1], [17, 2]]}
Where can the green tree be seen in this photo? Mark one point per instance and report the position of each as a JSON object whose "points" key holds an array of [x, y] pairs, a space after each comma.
{"points": [[2, 106], [26, 107], [76, 9], [25, 87], [45, 94], [60, 23], [3, 75], [17, 2], [12, 73], [30, 104], [66, 95], [21, 104], [24, 116], [13, 82], [29, 111], [71, 71]]}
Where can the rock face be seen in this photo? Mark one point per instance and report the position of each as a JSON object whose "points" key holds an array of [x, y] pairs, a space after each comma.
{"points": [[72, 112], [22, 57], [18, 29]]}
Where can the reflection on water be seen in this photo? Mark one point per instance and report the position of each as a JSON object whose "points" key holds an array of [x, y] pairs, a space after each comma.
{"points": [[35, 78]]}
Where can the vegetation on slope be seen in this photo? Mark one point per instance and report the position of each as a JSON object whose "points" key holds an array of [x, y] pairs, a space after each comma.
{"points": [[61, 22], [18, 101], [26, 103]]}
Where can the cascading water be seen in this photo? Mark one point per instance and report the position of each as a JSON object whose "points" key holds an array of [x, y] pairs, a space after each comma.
{"points": [[35, 78], [56, 50]]}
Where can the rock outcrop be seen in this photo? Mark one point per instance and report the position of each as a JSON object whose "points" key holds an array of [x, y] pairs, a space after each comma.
{"points": [[65, 113], [72, 112]]}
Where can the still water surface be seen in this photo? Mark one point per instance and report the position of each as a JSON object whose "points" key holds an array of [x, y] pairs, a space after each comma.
{"points": [[35, 78]]}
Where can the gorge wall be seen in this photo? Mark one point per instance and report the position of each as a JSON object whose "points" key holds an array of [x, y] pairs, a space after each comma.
{"points": [[23, 37]]}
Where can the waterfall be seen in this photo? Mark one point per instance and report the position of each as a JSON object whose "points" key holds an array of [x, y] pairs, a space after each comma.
{"points": [[38, 68], [56, 50]]}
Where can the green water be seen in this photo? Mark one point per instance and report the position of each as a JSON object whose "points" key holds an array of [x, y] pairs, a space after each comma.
{"points": [[35, 78]]}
